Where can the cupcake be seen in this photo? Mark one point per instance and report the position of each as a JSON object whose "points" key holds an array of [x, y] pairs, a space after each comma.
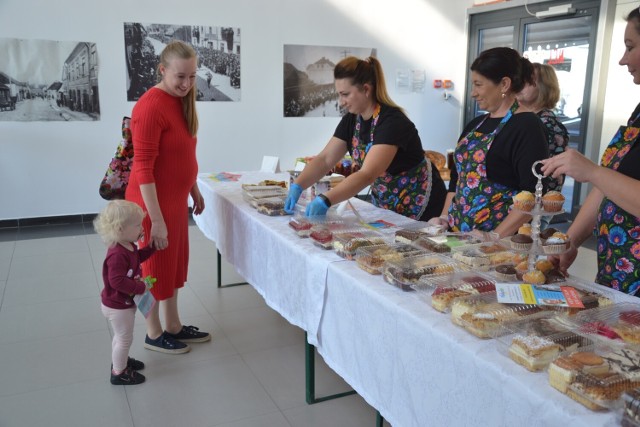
{"points": [[534, 277], [519, 257], [552, 201], [556, 244], [506, 272], [525, 229], [546, 233], [544, 265], [521, 242], [524, 201], [521, 268]]}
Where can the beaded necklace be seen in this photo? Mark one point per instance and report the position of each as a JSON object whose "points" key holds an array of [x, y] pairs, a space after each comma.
{"points": [[356, 133]]}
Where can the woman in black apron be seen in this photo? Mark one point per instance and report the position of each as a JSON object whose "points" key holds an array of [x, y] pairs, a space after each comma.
{"points": [[382, 141], [612, 209], [495, 152]]}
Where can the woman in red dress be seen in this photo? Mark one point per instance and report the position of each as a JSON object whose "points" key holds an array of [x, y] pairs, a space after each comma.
{"points": [[164, 124]]}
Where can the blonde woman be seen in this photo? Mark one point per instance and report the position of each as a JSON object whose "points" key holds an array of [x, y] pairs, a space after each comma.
{"points": [[382, 141], [540, 97], [164, 124]]}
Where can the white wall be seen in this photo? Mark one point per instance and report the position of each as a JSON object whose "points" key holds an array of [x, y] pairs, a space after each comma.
{"points": [[54, 168]]}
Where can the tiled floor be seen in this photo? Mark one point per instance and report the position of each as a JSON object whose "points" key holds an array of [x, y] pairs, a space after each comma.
{"points": [[55, 348]]}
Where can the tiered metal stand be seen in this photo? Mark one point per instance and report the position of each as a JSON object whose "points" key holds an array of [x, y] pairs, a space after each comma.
{"points": [[537, 213]]}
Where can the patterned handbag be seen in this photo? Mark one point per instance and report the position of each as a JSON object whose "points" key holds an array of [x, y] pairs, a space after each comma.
{"points": [[114, 183]]}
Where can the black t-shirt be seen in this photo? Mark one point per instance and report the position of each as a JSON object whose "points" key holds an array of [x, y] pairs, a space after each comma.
{"points": [[521, 142], [394, 128], [629, 164]]}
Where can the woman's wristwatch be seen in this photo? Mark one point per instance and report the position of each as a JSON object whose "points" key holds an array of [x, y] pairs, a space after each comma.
{"points": [[325, 199]]}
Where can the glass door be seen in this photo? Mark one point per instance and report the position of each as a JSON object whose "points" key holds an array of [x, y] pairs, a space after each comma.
{"points": [[565, 44]]}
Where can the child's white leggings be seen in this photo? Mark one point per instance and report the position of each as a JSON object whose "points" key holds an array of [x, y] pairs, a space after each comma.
{"points": [[122, 323]]}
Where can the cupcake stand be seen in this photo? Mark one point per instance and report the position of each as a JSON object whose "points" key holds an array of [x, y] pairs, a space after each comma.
{"points": [[537, 213]]}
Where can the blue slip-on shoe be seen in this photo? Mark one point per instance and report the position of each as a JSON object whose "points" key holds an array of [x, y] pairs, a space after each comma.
{"points": [[190, 334]]}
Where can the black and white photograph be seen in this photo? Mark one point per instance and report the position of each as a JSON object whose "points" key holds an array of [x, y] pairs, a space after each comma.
{"points": [[309, 90], [218, 49], [48, 80]]}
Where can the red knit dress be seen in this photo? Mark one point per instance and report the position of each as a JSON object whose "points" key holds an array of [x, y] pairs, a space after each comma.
{"points": [[164, 154]]}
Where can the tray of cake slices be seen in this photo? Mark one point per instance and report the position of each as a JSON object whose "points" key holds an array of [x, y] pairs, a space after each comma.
{"points": [[444, 243], [406, 272], [482, 256], [347, 242], [613, 324], [483, 316], [629, 413], [302, 225], [372, 258], [596, 376], [253, 194], [412, 232], [272, 206], [534, 343], [322, 231], [441, 291]]}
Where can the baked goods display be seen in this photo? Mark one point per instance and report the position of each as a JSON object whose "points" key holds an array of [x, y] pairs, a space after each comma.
{"points": [[405, 272], [521, 242], [445, 242], [483, 315], [256, 193], [524, 201], [301, 225], [610, 322], [272, 206], [557, 243], [536, 342], [631, 408], [552, 201], [483, 256], [321, 233], [441, 291], [372, 258], [411, 234], [346, 243], [596, 376]]}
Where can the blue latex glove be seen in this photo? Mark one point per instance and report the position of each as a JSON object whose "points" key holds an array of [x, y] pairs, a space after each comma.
{"points": [[317, 207], [292, 198]]}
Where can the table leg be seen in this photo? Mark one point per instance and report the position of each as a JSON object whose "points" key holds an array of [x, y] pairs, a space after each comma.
{"points": [[310, 376], [379, 419], [220, 285]]}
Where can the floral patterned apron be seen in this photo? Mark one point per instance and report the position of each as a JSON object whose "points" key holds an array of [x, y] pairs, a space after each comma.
{"points": [[479, 203], [617, 231], [406, 193]]}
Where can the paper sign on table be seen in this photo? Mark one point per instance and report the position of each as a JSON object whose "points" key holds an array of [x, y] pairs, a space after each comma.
{"points": [[524, 293]]}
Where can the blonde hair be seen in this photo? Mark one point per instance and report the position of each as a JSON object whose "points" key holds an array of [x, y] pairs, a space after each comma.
{"points": [[362, 71], [182, 50], [548, 86], [117, 214]]}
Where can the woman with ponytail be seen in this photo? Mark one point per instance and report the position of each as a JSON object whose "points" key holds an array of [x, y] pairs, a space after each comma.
{"points": [[164, 124], [382, 141]]}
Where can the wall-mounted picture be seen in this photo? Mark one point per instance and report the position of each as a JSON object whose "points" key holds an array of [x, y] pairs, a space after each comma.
{"points": [[48, 80], [308, 79], [218, 49]]}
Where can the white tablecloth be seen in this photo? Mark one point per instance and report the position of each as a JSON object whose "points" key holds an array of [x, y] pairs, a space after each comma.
{"points": [[404, 358], [288, 271]]}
